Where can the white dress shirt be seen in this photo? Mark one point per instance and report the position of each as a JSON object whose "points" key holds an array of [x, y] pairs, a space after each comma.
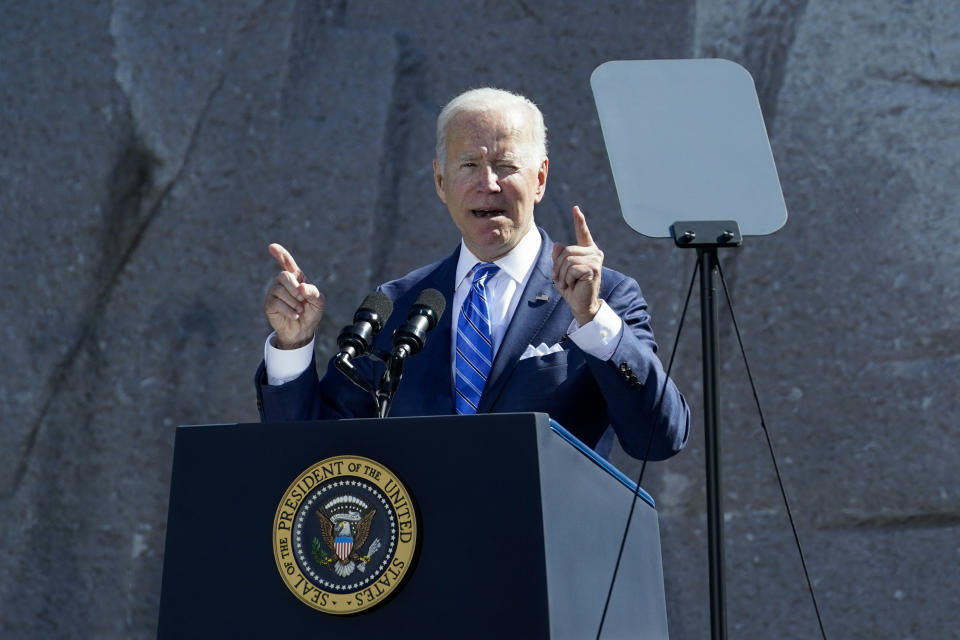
{"points": [[598, 338]]}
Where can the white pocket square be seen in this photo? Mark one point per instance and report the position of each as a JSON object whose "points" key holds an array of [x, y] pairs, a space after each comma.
{"points": [[541, 350]]}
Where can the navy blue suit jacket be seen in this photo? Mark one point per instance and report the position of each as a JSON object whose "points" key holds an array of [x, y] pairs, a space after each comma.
{"points": [[580, 392]]}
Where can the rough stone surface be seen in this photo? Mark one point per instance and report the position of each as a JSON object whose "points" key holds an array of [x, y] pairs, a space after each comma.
{"points": [[150, 152]]}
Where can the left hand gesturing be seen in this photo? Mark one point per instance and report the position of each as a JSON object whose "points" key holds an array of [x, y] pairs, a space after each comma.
{"points": [[576, 271]]}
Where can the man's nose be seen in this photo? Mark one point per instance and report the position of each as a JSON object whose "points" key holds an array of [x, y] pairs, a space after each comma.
{"points": [[489, 180]]}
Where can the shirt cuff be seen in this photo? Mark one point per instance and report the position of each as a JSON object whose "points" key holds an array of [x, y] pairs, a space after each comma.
{"points": [[599, 337], [284, 365]]}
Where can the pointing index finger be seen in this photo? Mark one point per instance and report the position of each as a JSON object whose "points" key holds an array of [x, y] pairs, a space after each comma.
{"points": [[584, 239], [286, 261]]}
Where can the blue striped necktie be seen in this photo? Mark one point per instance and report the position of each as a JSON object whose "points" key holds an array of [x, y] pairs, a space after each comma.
{"points": [[474, 341]]}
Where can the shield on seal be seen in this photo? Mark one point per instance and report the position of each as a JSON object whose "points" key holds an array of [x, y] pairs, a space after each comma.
{"points": [[343, 545]]}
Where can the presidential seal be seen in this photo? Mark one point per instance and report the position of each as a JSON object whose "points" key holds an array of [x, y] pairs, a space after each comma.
{"points": [[344, 535]]}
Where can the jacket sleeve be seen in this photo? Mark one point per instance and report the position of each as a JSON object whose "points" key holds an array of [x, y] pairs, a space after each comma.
{"points": [[310, 398], [643, 405]]}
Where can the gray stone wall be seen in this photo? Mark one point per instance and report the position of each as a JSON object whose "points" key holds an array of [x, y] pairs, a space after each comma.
{"points": [[149, 152]]}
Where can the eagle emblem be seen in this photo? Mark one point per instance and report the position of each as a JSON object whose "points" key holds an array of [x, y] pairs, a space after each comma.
{"points": [[345, 535], [345, 526]]}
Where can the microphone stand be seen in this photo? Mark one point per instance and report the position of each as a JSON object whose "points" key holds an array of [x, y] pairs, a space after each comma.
{"points": [[390, 380], [344, 364]]}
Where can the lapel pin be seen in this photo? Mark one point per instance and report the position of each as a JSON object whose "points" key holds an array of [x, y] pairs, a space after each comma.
{"points": [[542, 297]]}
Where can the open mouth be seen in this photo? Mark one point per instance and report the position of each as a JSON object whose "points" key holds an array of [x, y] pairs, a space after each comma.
{"points": [[486, 213]]}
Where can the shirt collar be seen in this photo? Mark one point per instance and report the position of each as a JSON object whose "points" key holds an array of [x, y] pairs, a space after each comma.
{"points": [[515, 264]]}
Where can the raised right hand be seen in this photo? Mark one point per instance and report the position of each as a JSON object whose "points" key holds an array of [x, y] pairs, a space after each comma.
{"points": [[293, 304]]}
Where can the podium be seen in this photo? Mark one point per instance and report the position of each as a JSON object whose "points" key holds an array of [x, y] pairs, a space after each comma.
{"points": [[519, 526]]}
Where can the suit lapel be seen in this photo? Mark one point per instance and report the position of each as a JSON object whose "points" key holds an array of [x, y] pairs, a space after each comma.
{"points": [[527, 323]]}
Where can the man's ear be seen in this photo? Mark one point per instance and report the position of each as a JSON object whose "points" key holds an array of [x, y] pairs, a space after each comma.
{"points": [[542, 179], [438, 181]]}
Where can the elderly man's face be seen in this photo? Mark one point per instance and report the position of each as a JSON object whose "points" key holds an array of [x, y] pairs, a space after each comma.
{"points": [[491, 179]]}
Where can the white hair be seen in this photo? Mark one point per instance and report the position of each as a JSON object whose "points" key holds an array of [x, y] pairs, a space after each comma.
{"points": [[491, 99]]}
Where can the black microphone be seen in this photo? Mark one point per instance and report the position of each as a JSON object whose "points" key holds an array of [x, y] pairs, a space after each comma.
{"points": [[422, 317], [356, 340]]}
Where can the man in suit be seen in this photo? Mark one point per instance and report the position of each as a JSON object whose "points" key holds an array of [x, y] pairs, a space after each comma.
{"points": [[531, 325]]}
